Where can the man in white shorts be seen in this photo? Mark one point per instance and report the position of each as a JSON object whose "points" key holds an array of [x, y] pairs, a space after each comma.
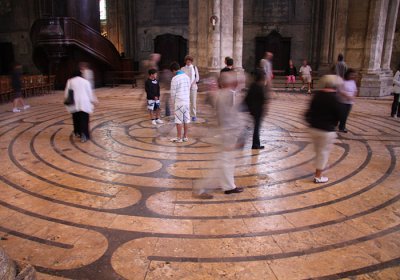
{"points": [[305, 72], [180, 97]]}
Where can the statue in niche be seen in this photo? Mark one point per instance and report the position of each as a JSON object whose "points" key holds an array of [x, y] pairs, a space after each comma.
{"points": [[146, 42]]}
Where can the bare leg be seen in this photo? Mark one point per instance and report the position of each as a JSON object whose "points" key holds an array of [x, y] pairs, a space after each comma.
{"points": [[185, 130], [318, 173], [179, 130]]}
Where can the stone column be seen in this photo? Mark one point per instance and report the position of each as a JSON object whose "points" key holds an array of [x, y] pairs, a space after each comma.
{"points": [[214, 42], [373, 82], [340, 34], [193, 29], [327, 35], [227, 14], [389, 36], [238, 33]]}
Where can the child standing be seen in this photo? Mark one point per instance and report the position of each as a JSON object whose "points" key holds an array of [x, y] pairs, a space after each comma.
{"points": [[305, 71], [153, 97]]}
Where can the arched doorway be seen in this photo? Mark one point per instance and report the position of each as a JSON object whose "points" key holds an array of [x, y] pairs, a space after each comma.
{"points": [[171, 47], [276, 44]]}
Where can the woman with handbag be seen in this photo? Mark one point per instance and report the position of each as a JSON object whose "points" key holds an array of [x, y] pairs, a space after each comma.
{"points": [[79, 100], [396, 94]]}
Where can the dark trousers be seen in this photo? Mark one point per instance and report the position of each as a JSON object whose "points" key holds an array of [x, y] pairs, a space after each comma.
{"points": [[256, 132], [346, 108], [395, 105], [81, 123]]}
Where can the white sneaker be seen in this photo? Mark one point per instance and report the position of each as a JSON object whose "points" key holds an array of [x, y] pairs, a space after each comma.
{"points": [[153, 122], [185, 139], [27, 107], [16, 110], [321, 180], [176, 140], [159, 121]]}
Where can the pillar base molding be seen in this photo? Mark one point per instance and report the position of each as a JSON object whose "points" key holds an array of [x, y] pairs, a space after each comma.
{"points": [[376, 84]]}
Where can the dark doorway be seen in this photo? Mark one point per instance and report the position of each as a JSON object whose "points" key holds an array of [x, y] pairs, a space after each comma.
{"points": [[6, 58], [276, 44], [171, 47]]}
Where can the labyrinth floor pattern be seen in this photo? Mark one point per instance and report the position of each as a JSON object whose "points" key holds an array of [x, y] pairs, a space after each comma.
{"points": [[120, 205]]}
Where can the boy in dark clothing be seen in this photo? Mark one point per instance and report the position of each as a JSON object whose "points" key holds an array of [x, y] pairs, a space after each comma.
{"points": [[152, 88]]}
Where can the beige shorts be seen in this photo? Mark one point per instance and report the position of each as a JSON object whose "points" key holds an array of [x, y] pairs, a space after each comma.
{"points": [[306, 78]]}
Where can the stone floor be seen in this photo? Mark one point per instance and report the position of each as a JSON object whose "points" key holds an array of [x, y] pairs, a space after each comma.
{"points": [[120, 205]]}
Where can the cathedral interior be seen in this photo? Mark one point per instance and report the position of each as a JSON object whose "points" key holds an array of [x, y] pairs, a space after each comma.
{"points": [[121, 205]]}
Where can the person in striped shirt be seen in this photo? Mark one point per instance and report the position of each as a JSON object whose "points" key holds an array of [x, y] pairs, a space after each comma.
{"points": [[180, 97]]}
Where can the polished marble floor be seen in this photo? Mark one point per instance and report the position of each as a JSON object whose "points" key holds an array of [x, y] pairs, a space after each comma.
{"points": [[120, 205]]}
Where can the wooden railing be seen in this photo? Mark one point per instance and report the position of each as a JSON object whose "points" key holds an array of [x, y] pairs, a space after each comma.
{"points": [[54, 34], [32, 85]]}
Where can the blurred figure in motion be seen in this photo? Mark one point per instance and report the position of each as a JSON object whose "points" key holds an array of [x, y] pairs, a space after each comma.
{"points": [[266, 67], [323, 116], [180, 97], [16, 82], [255, 100], [87, 73], [340, 67], [222, 173], [152, 62], [305, 72], [84, 99], [347, 94]]}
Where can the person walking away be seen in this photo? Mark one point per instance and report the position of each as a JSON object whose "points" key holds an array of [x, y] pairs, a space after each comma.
{"points": [[396, 94], [266, 67], [305, 72], [84, 98], [180, 97], [291, 73], [16, 82], [193, 73], [152, 89], [347, 94], [255, 100], [323, 116], [340, 67]]}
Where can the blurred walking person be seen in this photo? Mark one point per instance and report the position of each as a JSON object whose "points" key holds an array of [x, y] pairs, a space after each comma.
{"points": [[323, 116], [222, 174], [83, 100], [340, 67], [16, 82], [347, 94], [255, 100]]}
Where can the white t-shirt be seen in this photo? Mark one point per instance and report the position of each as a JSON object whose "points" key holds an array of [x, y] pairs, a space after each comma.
{"points": [[348, 88], [83, 95], [305, 70], [180, 89]]}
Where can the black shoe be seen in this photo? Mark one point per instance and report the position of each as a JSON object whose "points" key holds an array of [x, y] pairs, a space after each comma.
{"points": [[257, 147], [235, 190], [343, 130], [83, 139]]}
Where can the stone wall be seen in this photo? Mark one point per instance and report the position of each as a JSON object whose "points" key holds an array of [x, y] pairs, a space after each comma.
{"points": [[15, 23], [157, 17], [290, 18]]}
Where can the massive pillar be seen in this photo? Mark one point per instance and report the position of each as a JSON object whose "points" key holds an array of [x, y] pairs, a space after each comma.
{"points": [[215, 31], [374, 81], [327, 38], [238, 33], [389, 36]]}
